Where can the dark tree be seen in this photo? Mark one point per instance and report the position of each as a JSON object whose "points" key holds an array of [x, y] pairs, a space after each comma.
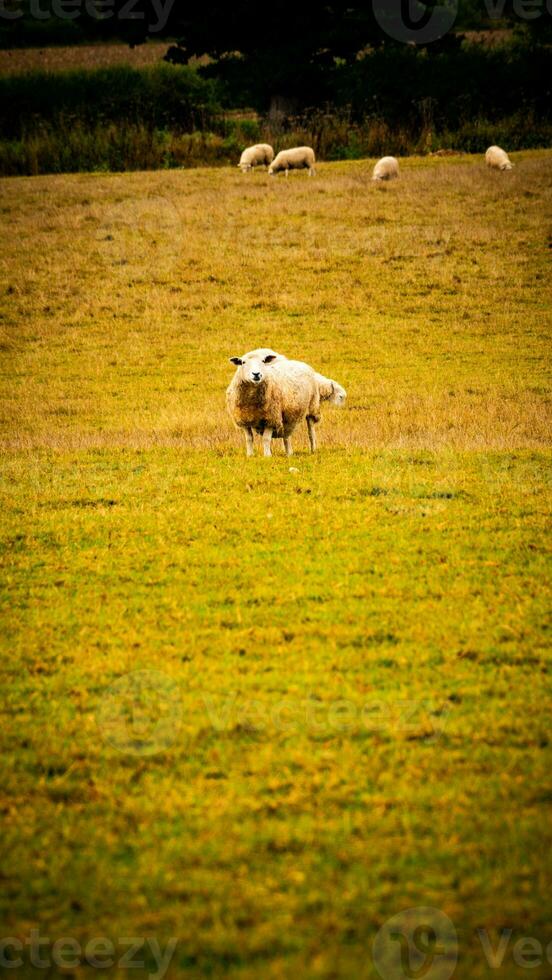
{"points": [[277, 53], [274, 52]]}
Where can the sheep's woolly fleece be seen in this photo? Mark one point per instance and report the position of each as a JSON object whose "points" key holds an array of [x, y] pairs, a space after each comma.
{"points": [[270, 394], [386, 169], [288, 392], [256, 156], [297, 158], [497, 158]]}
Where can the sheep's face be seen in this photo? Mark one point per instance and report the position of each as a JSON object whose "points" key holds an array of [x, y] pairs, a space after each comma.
{"points": [[244, 167], [253, 367], [338, 395]]}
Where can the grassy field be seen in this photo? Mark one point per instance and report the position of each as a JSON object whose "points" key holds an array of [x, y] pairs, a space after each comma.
{"points": [[263, 706], [16, 61]]}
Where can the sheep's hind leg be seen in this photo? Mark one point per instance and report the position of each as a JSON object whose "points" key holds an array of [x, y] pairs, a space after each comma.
{"points": [[249, 442], [267, 440], [312, 433], [287, 446]]}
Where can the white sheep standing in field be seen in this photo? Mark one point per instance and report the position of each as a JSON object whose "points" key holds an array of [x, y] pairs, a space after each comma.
{"points": [[270, 395], [386, 169], [497, 158], [297, 158], [259, 155]]}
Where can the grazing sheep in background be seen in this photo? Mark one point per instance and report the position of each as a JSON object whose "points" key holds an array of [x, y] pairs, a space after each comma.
{"points": [[270, 394], [386, 169], [256, 156], [497, 158], [298, 158]]}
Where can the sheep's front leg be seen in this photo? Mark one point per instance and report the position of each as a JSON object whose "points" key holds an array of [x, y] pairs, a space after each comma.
{"points": [[287, 171], [267, 442], [312, 434], [287, 446], [249, 442]]}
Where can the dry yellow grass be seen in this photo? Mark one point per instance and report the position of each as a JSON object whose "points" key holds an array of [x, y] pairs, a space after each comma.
{"points": [[17, 61], [428, 299]]}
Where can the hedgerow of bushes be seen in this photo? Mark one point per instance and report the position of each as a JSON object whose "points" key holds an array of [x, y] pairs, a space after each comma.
{"points": [[393, 100]]}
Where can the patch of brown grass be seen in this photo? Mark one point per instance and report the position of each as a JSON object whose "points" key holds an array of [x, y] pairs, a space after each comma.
{"points": [[17, 61]]}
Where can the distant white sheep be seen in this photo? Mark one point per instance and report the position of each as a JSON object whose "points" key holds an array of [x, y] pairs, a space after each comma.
{"points": [[386, 169], [297, 158], [259, 155], [270, 395], [497, 158]]}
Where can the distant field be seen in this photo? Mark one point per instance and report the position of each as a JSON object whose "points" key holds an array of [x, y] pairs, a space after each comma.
{"points": [[19, 60], [257, 708], [67, 57]]}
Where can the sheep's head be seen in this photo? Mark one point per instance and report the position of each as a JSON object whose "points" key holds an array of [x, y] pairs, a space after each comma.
{"points": [[507, 166], [253, 367], [244, 167], [338, 394]]}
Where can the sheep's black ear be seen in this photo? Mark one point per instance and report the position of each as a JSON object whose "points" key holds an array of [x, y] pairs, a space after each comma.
{"points": [[236, 360], [269, 358]]}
